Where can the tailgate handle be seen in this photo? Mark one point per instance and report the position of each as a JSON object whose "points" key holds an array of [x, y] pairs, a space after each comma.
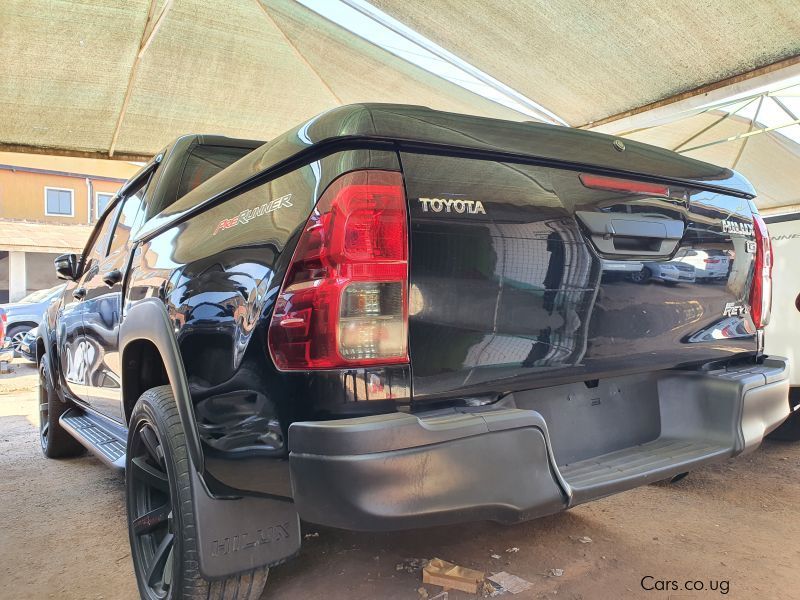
{"points": [[632, 234]]}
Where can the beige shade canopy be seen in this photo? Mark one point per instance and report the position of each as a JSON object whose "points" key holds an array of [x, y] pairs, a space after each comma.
{"points": [[122, 78], [589, 59], [770, 161], [758, 136], [70, 79]]}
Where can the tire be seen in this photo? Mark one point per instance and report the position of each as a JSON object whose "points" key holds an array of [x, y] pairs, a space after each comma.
{"points": [[16, 333], [161, 522], [54, 439], [642, 276]]}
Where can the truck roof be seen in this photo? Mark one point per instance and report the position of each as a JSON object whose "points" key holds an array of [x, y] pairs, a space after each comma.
{"points": [[421, 129]]}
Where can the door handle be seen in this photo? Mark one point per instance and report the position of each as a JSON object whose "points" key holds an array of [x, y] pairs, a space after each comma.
{"points": [[79, 293], [112, 277], [632, 234]]}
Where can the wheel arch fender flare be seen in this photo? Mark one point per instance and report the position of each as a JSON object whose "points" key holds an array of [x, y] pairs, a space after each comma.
{"points": [[148, 320], [267, 528], [47, 338]]}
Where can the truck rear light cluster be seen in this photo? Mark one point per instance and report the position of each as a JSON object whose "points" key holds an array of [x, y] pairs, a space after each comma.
{"points": [[761, 290], [344, 301]]}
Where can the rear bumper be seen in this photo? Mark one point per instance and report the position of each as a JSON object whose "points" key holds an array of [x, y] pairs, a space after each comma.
{"points": [[674, 277], [699, 274], [399, 470]]}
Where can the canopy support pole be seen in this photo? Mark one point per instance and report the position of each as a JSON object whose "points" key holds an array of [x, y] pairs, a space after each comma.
{"points": [[709, 127], [749, 129], [299, 54], [147, 36]]}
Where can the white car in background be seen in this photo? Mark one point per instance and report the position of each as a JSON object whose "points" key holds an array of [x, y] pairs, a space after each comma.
{"points": [[621, 267], [709, 264], [671, 272], [782, 335]]}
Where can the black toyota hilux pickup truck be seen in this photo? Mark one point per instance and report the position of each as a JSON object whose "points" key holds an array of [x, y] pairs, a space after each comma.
{"points": [[392, 317]]}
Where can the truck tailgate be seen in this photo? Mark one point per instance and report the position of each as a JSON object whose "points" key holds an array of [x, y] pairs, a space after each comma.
{"points": [[526, 276]]}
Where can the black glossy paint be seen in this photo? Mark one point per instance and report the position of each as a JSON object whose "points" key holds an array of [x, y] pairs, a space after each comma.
{"points": [[522, 296], [85, 323], [219, 286], [102, 304], [390, 126], [505, 299]]}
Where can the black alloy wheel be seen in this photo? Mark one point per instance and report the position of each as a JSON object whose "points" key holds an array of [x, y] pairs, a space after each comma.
{"points": [[53, 438], [153, 535], [162, 523]]}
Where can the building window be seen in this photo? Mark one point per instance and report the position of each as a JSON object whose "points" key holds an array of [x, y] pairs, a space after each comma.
{"points": [[103, 199], [58, 202]]}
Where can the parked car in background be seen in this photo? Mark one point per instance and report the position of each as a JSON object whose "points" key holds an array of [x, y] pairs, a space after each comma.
{"points": [[672, 271], [709, 264], [27, 347], [25, 314], [620, 268], [783, 332]]}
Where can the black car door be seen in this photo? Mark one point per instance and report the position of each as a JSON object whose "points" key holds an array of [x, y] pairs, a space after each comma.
{"points": [[103, 305], [72, 349]]}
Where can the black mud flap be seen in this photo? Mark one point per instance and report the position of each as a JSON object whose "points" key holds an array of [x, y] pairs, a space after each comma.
{"points": [[236, 535]]}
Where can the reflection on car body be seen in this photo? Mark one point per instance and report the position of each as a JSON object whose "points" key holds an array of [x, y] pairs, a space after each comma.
{"points": [[672, 271], [27, 346], [709, 264]]}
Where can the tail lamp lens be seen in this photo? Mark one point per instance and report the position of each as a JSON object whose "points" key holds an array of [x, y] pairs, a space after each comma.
{"points": [[625, 186], [343, 302], [761, 290]]}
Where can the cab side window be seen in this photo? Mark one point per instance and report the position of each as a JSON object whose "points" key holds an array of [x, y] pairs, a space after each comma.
{"points": [[97, 251], [202, 163], [206, 161], [130, 218]]}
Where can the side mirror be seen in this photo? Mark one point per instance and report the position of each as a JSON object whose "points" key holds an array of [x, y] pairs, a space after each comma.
{"points": [[67, 266]]}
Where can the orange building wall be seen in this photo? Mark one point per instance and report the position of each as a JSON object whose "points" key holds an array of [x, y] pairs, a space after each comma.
{"points": [[22, 196]]}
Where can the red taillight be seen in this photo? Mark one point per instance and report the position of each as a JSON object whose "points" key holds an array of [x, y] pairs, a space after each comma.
{"points": [[343, 302], [761, 290], [711, 261], [598, 182]]}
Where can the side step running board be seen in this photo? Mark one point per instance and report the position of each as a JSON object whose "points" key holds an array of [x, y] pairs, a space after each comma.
{"points": [[100, 436], [631, 467]]}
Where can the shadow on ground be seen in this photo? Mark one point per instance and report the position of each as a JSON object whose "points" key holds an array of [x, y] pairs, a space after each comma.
{"points": [[64, 533]]}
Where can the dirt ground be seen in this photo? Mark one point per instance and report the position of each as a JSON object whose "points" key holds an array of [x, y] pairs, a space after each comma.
{"points": [[734, 525]]}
